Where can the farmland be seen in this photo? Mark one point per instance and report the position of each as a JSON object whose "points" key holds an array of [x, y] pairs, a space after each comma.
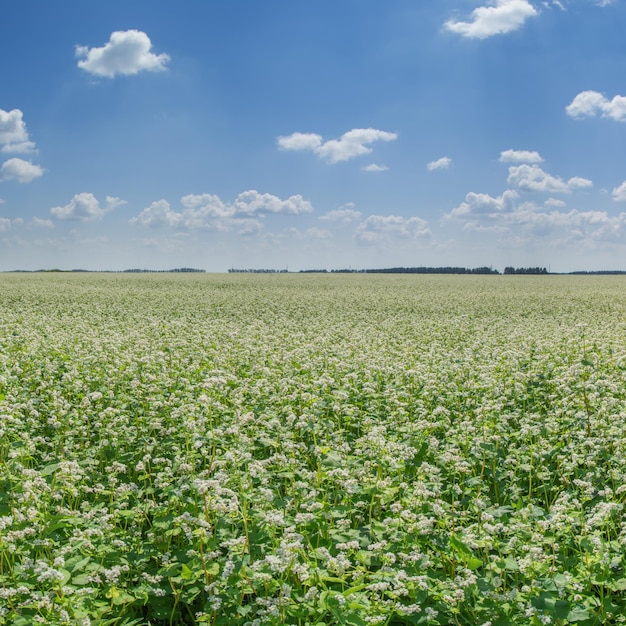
{"points": [[312, 449]]}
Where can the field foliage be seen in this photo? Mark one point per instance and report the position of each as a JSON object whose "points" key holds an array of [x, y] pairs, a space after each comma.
{"points": [[290, 449]]}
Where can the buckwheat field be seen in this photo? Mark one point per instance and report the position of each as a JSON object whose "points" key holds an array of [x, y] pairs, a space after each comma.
{"points": [[353, 449]]}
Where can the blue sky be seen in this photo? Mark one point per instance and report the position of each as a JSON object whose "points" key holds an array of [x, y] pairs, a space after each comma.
{"points": [[312, 134]]}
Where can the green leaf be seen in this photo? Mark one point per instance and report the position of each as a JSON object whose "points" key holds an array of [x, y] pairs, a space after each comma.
{"points": [[578, 614], [186, 573], [562, 609], [49, 469], [474, 563], [457, 545]]}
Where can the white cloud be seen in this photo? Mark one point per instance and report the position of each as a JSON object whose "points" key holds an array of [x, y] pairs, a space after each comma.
{"points": [[592, 103], [533, 178], [12, 129], [499, 17], [300, 141], [127, 52], [254, 203], [38, 222], [208, 211], [318, 233], [375, 167], [482, 204], [355, 142], [24, 147], [504, 217], [5, 224], [579, 183], [619, 193], [555, 203], [20, 170], [377, 227], [345, 214], [520, 156], [159, 213], [440, 164], [85, 207]]}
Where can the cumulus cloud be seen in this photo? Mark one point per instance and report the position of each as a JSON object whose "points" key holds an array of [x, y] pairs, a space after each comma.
{"points": [[159, 213], [520, 156], [498, 17], [619, 193], [533, 178], [254, 203], [355, 142], [13, 134], [482, 204], [209, 211], [20, 170], [377, 227], [12, 127], [345, 214], [300, 141], [127, 52], [440, 164], [375, 167], [38, 222], [318, 233], [5, 224], [555, 203], [509, 218], [592, 103], [85, 207]]}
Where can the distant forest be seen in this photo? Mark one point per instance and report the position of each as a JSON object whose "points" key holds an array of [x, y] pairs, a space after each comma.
{"points": [[389, 270]]}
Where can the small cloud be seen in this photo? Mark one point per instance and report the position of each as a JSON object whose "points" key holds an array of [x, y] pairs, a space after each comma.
{"points": [[85, 207], [377, 227], [579, 183], [159, 213], [555, 203], [127, 52], [592, 103], [619, 193], [254, 203], [533, 178], [12, 128], [318, 233], [300, 141], [440, 164], [355, 142], [209, 211], [24, 147], [374, 167], [497, 18], [482, 204], [20, 170], [520, 156], [38, 222], [5, 224], [345, 214]]}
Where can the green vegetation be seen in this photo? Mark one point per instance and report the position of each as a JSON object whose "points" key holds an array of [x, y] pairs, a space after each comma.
{"points": [[312, 449]]}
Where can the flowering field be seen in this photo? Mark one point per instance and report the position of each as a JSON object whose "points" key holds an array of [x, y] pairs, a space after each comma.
{"points": [[312, 449]]}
